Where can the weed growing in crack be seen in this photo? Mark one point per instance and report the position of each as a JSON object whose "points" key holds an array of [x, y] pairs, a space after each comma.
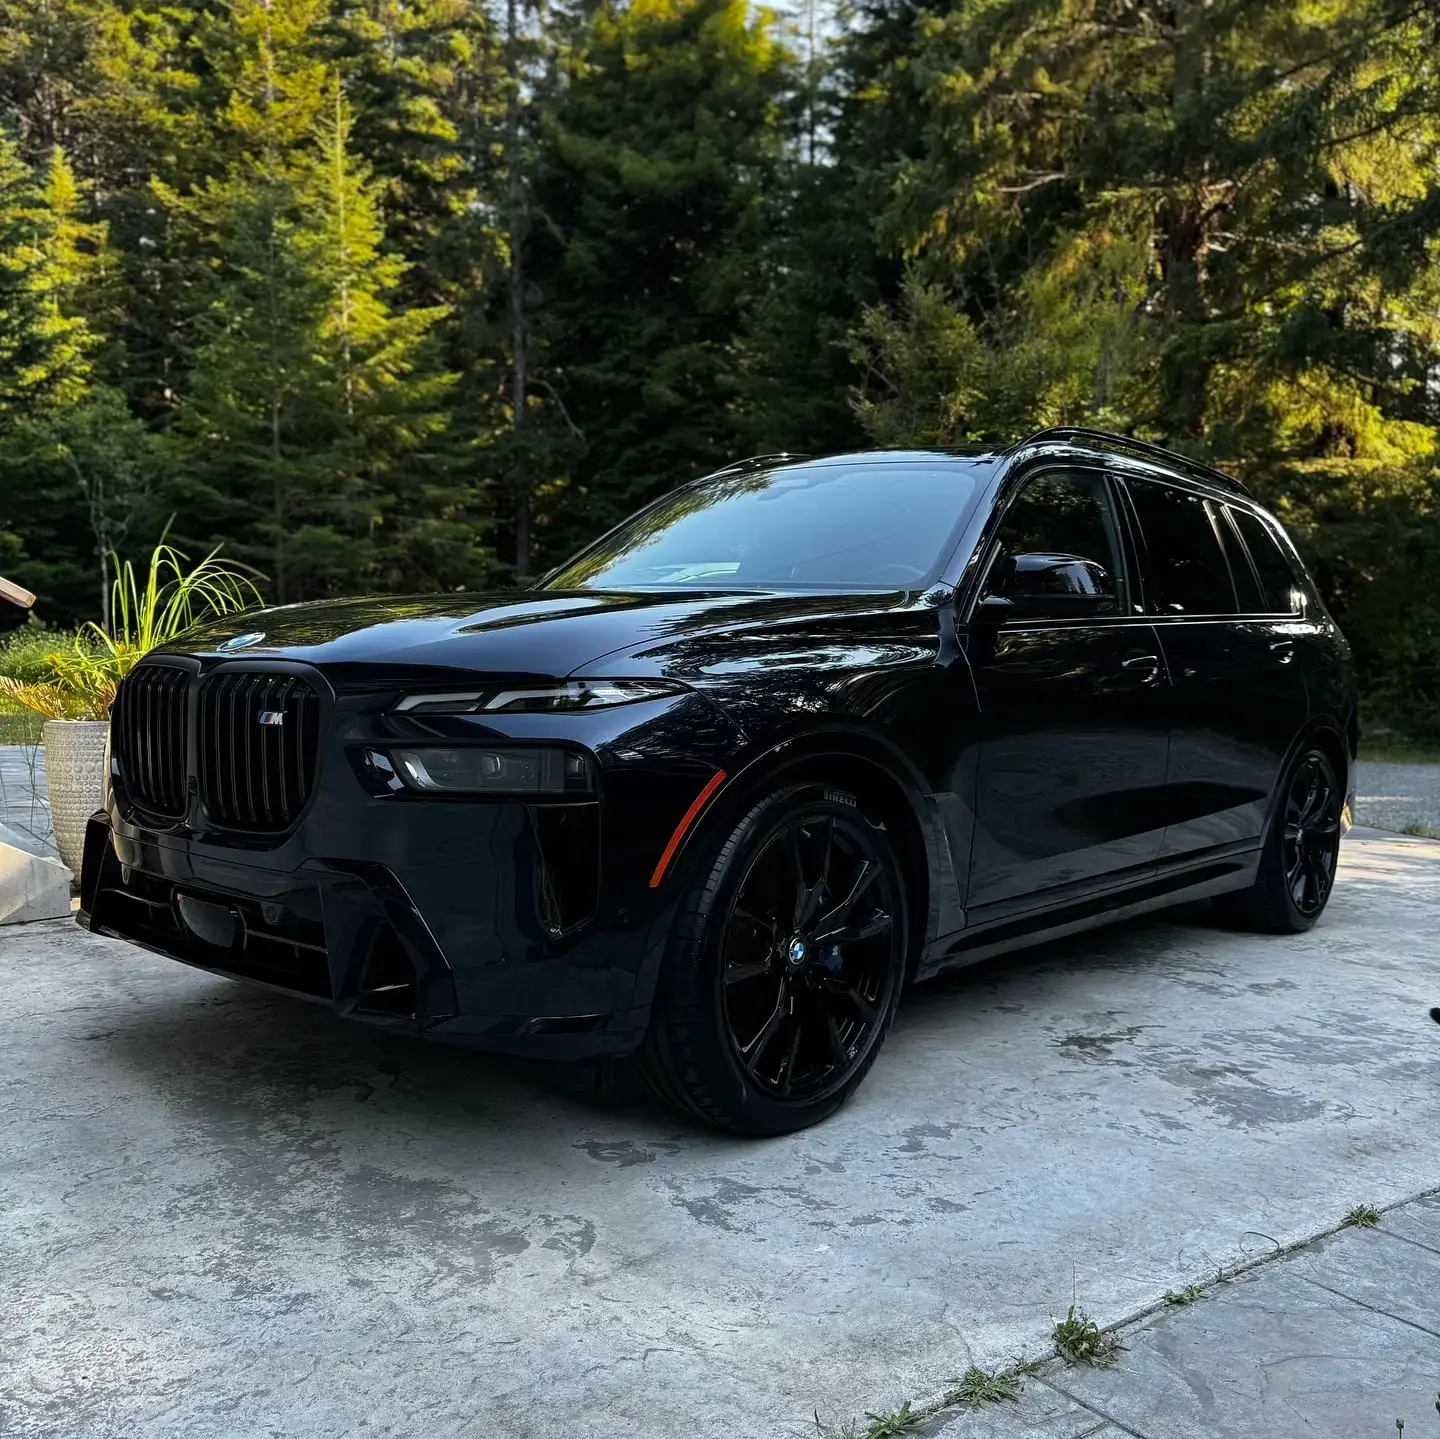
{"points": [[1080, 1340], [1188, 1295], [983, 1386], [897, 1421], [881, 1426], [1361, 1217]]}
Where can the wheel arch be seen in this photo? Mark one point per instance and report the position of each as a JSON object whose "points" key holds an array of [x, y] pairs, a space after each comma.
{"points": [[880, 778], [1326, 733]]}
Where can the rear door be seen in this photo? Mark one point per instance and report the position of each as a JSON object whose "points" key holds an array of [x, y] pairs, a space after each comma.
{"points": [[1238, 697], [1071, 698]]}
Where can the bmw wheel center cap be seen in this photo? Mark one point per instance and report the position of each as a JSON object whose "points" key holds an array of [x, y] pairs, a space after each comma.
{"points": [[797, 952]]}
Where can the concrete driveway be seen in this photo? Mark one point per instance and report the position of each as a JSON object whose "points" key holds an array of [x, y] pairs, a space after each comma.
{"points": [[225, 1213]]}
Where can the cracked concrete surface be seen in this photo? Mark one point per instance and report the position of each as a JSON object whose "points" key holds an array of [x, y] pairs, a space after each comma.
{"points": [[1340, 1338], [226, 1213]]}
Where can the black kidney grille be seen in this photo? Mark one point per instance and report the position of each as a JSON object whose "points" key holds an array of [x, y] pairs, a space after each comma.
{"points": [[257, 774], [147, 734]]}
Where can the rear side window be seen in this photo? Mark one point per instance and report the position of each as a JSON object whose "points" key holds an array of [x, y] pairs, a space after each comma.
{"points": [[1276, 578], [1187, 572]]}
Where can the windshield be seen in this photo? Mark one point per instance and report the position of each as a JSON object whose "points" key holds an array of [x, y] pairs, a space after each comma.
{"points": [[848, 525]]}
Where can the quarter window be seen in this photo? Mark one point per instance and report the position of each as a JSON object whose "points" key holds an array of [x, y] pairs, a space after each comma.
{"points": [[1276, 577], [1247, 588], [1187, 572]]}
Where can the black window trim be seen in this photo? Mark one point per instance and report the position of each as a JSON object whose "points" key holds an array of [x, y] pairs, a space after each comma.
{"points": [[1125, 534]]}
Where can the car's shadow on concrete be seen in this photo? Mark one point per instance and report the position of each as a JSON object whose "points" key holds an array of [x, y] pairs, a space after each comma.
{"points": [[222, 1045]]}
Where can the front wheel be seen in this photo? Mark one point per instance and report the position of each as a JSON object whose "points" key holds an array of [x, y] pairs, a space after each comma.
{"points": [[1301, 853], [784, 967]]}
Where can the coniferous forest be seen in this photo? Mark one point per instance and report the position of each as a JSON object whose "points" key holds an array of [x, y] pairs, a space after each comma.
{"points": [[408, 295]]}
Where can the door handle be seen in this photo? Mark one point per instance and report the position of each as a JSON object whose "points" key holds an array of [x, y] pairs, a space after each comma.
{"points": [[1146, 665], [1283, 650]]}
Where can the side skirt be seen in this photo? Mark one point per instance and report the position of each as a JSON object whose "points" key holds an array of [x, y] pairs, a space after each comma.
{"points": [[1195, 882]]}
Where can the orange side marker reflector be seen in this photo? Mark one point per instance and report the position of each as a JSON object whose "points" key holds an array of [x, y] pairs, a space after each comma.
{"points": [[701, 799]]}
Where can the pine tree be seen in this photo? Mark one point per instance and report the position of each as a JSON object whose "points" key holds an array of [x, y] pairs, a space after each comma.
{"points": [[75, 466], [424, 523], [314, 405], [425, 88], [1208, 176], [45, 353], [256, 415], [652, 183]]}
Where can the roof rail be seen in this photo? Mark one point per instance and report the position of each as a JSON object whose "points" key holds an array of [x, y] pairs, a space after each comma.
{"points": [[1123, 444], [752, 462]]}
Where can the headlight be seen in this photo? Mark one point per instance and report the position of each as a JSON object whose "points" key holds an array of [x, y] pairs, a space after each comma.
{"points": [[541, 699], [508, 771]]}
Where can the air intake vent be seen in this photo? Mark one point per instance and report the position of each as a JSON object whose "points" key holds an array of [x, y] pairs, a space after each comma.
{"points": [[258, 738], [148, 737]]}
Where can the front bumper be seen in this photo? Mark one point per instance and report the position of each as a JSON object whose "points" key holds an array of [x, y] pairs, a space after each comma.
{"points": [[420, 949], [459, 919]]}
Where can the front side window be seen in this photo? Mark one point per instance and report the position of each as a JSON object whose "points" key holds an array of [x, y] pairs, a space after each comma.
{"points": [[830, 525], [1276, 578], [1059, 548], [1187, 572]]}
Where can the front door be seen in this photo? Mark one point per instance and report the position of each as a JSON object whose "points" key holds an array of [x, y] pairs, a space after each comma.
{"points": [[1072, 706]]}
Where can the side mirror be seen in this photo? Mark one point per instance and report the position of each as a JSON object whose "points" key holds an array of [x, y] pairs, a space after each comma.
{"points": [[994, 610], [1048, 586]]}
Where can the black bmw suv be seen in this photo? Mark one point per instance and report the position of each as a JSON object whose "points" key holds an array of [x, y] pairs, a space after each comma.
{"points": [[711, 793]]}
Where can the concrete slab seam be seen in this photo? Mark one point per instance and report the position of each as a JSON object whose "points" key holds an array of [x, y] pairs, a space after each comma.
{"points": [[1373, 1308], [940, 1402], [1225, 1273], [1091, 1408], [1406, 1239]]}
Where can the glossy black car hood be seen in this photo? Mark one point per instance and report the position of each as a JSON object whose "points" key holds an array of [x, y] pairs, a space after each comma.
{"points": [[515, 632]]}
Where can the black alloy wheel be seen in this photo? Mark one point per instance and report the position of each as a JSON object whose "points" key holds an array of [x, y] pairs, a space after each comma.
{"points": [[785, 969], [1311, 834], [1301, 852], [809, 942]]}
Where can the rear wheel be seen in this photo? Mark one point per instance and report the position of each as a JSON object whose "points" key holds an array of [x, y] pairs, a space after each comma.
{"points": [[1301, 853], [784, 967]]}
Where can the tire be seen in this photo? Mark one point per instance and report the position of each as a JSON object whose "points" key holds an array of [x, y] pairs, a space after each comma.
{"points": [[802, 905], [1300, 855]]}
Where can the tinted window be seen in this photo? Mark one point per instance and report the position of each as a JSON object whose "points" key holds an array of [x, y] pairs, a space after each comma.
{"points": [[851, 526], [1248, 598], [1059, 537], [1276, 577], [1187, 573]]}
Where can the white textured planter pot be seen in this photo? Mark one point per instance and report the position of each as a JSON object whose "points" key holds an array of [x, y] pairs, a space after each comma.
{"points": [[75, 781]]}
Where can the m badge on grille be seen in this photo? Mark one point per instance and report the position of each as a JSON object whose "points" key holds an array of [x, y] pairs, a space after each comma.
{"points": [[272, 716]]}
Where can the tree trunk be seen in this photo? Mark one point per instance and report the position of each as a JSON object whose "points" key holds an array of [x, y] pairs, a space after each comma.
{"points": [[515, 282], [1184, 225]]}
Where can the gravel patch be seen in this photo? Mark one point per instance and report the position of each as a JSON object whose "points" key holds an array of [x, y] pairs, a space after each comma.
{"points": [[1398, 796]]}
